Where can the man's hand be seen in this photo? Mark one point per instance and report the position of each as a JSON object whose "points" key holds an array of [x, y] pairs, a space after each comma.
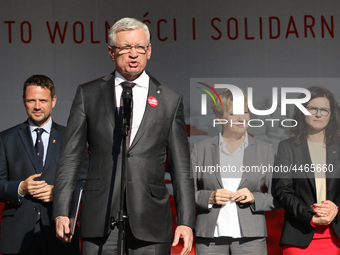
{"points": [[44, 194], [185, 233], [29, 186], [62, 225], [220, 197]]}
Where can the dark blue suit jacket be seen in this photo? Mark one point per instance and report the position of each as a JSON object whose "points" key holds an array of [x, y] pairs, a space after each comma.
{"points": [[17, 162]]}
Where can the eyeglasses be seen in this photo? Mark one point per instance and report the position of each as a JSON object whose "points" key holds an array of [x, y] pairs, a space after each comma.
{"points": [[323, 111], [126, 49]]}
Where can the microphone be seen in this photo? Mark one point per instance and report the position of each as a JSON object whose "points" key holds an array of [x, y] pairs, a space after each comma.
{"points": [[127, 100]]}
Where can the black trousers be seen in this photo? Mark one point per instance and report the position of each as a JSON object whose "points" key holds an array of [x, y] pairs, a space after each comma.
{"points": [[109, 245]]}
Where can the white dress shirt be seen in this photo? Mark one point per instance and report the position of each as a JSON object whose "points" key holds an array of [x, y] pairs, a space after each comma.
{"points": [[45, 139], [139, 96], [317, 151], [228, 221]]}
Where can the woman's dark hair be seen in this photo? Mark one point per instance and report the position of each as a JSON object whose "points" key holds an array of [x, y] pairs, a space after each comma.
{"points": [[299, 132]]}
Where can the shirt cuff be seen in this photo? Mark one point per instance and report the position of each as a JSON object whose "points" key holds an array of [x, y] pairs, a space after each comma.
{"points": [[20, 196]]}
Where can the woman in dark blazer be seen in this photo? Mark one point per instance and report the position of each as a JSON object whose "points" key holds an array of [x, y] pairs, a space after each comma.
{"points": [[230, 203], [308, 185]]}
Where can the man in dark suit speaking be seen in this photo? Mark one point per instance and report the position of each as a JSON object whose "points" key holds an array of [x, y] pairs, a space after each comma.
{"points": [[28, 160], [158, 133]]}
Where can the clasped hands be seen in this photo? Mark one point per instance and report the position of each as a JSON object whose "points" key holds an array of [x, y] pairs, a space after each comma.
{"points": [[38, 189], [326, 211], [222, 196]]}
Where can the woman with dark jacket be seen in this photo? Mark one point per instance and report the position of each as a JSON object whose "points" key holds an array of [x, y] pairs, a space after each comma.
{"points": [[308, 185]]}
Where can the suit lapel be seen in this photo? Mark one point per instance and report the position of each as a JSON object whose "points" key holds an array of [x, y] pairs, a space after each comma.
{"points": [[26, 138], [53, 147], [109, 98], [303, 157], [215, 155], [248, 159], [150, 112], [332, 175]]}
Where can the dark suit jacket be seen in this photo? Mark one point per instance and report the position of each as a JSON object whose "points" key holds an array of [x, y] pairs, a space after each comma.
{"points": [[17, 162], [252, 220], [295, 190], [162, 133]]}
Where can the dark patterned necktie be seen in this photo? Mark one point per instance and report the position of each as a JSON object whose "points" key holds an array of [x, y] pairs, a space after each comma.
{"points": [[39, 149], [128, 84]]}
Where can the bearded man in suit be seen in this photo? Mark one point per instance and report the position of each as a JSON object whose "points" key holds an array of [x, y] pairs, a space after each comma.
{"points": [[28, 160], [158, 133]]}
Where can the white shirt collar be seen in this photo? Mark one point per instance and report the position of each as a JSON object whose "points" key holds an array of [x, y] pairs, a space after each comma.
{"points": [[47, 127], [223, 143], [141, 81]]}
